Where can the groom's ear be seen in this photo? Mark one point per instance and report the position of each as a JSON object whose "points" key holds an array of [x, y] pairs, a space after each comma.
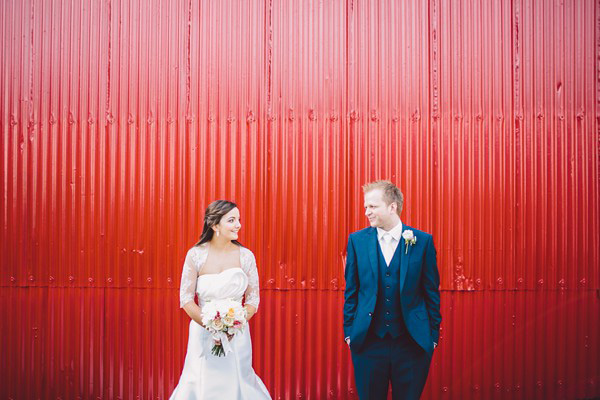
{"points": [[394, 206]]}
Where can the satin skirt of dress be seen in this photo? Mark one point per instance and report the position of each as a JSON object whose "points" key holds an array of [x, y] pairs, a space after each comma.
{"points": [[206, 376]]}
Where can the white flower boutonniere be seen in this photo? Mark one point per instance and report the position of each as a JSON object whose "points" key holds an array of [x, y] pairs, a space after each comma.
{"points": [[409, 239]]}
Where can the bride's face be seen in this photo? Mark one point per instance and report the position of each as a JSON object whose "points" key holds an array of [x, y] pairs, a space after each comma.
{"points": [[229, 225]]}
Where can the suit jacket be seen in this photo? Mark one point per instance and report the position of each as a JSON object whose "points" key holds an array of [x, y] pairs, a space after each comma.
{"points": [[419, 287]]}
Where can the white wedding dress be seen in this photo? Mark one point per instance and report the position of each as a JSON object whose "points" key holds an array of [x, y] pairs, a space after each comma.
{"points": [[204, 375]]}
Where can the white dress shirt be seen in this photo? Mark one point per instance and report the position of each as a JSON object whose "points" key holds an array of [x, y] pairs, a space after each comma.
{"points": [[389, 241]]}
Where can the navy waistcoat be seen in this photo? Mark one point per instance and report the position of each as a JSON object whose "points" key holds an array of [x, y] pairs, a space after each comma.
{"points": [[387, 318]]}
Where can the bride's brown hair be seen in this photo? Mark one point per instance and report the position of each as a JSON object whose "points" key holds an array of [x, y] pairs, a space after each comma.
{"points": [[212, 216]]}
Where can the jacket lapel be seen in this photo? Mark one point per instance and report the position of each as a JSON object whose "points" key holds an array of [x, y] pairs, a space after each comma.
{"points": [[372, 249], [404, 257]]}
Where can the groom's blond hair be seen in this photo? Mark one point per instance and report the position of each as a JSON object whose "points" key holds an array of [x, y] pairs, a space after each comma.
{"points": [[391, 193]]}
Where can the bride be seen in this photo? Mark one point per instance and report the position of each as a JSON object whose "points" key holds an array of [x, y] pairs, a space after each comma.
{"points": [[219, 267]]}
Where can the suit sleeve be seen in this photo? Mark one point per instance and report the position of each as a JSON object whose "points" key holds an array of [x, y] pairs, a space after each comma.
{"points": [[351, 291], [431, 285]]}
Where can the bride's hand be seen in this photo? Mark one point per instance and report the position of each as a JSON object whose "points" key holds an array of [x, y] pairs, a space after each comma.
{"points": [[250, 311]]}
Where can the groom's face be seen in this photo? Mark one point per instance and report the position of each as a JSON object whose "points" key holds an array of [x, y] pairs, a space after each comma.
{"points": [[377, 211]]}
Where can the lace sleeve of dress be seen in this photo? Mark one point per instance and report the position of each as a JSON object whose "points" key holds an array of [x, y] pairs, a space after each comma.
{"points": [[189, 276], [252, 295]]}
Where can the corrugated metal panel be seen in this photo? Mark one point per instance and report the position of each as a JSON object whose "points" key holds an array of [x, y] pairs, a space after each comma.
{"points": [[121, 121]]}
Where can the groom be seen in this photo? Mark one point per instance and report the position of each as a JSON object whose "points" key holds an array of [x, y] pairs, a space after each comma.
{"points": [[392, 301]]}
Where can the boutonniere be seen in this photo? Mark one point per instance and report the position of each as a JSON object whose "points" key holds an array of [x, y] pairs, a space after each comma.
{"points": [[409, 239]]}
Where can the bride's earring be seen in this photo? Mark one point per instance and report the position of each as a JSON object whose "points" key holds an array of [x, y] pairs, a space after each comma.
{"points": [[217, 233]]}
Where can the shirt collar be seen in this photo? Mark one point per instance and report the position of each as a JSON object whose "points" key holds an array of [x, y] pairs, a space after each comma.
{"points": [[396, 232]]}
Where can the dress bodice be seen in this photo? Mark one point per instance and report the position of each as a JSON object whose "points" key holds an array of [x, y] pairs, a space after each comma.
{"points": [[228, 284]]}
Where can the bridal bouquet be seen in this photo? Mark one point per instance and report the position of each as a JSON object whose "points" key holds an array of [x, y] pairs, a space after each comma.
{"points": [[224, 319]]}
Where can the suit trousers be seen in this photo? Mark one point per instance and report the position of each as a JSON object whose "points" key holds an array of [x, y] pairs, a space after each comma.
{"points": [[399, 361]]}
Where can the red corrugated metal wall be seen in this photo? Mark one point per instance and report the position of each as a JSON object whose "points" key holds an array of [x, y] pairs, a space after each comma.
{"points": [[122, 120]]}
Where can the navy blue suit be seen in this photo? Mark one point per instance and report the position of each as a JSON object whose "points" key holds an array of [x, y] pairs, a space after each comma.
{"points": [[391, 313]]}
